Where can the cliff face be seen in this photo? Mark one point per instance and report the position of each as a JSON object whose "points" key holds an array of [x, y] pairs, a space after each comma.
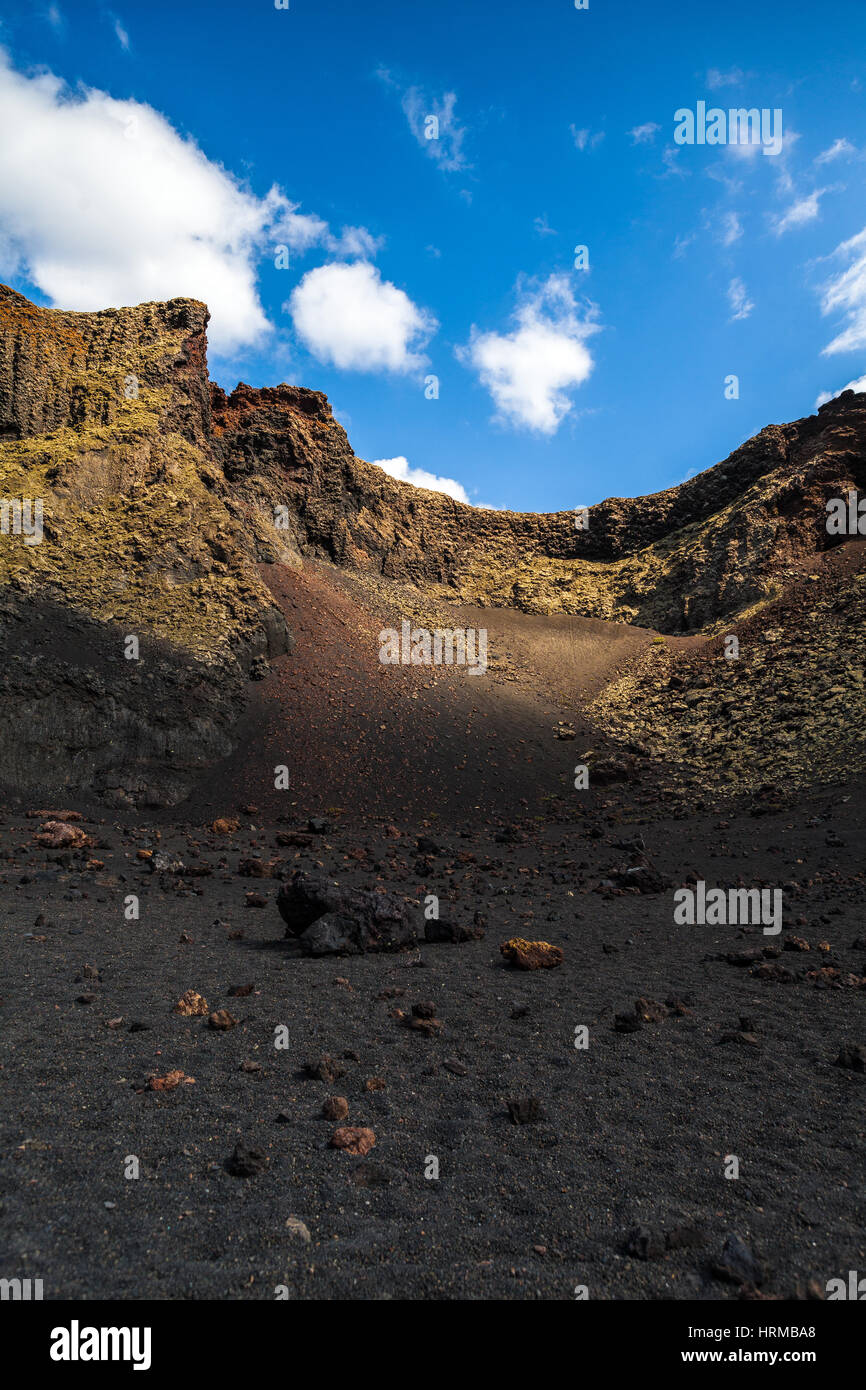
{"points": [[105, 421], [679, 560], [162, 496]]}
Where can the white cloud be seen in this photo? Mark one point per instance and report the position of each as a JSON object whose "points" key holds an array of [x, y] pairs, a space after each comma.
{"points": [[355, 241], [348, 315], [103, 203], [838, 150], [433, 122], [584, 139], [55, 18], [731, 229], [670, 158], [299, 231], [846, 293], [543, 228], [858, 385], [302, 231], [643, 134], [401, 469], [741, 304], [799, 213], [120, 33], [529, 371], [716, 78]]}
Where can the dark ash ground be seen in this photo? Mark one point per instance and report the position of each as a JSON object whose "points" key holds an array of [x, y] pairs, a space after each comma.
{"points": [[636, 1128]]}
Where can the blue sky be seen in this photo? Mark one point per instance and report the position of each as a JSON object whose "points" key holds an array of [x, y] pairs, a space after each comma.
{"points": [[453, 257]]}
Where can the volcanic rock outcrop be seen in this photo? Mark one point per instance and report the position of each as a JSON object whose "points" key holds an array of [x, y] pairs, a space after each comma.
{"points": [[130, 628], [127, 631], [679, 560]]}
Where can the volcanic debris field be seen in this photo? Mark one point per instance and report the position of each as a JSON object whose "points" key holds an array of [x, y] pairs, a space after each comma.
{"points": [[326, 978], [558, 1166]]}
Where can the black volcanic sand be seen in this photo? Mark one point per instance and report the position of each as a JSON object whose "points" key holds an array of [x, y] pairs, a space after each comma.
{"points": [[633, 1132]]}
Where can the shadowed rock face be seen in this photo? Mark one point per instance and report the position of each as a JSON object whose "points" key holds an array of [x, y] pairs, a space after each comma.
{"points": [[105, 419], [162, 495]]}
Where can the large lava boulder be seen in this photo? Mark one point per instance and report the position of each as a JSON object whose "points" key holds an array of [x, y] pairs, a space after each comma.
{"points": [[329, 920]]}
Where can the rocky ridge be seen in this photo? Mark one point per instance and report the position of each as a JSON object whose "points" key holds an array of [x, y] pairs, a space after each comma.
{"points": [[164, 497]]}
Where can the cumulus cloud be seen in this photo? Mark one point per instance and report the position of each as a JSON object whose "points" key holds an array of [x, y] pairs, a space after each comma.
{"points": [[103, 203], [858, 385], [845, 293], [402, 470], [530, 370], [433, 122], [349, 316], [741, 304], [799, 213]]}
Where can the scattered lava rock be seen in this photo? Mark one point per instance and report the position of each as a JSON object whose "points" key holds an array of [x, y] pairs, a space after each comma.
{"points": [[650, 1011], [423, 1019], [353, 1140], [255, 868], [191, 1005], [772, 972], [294, 839], [530, 955], [330, 920], [161, 863], [298, 1229], [169, 1081], [335, 1108], [737, 1264], [452, 932], [59, 834], [643, 877], [325, 1068], [222, 1020]]}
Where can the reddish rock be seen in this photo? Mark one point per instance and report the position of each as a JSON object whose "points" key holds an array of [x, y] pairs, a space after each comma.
{"points": [[169, 1081], [353, 1140], [58, 834]]}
